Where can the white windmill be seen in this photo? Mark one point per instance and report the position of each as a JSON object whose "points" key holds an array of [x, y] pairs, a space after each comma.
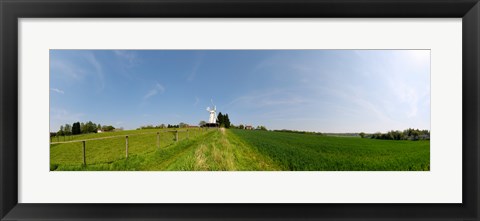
{"points": [[213, 117]]}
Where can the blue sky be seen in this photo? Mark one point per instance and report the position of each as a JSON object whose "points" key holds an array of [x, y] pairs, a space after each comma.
{"points": [[312, 90]]}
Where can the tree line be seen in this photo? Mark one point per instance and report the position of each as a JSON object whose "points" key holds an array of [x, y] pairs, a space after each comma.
{"points": [[299, 132], [162, 126], [241, 126], [82, 128], [408, 134]]}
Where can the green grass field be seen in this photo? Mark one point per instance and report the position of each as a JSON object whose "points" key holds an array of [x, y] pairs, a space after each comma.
{"points": [[238, 150]]}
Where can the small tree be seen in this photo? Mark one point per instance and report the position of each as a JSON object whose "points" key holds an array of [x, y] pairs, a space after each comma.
{"points": [[83, 128], [90, 127], [67, 129], [261, 128], [61, 132], [226, 121], [202, 123], [362, 134], [415, 134], [220, 119], [108, 128], [76, 128]]}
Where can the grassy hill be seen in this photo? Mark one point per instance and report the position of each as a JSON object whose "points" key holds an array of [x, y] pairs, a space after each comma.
{"points": [[238, 150]]}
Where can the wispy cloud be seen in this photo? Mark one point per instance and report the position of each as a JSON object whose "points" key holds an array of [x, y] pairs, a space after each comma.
{"points": [[405, 94], [57, 90], [98, 70], [299, 68], [61, 116], [197, 100], [196, 66], [82, 66], [280, 67], [358, 103], [158, 88], [265, 63], [127, 60], [129, 56], [272, 98], [67, 69]]}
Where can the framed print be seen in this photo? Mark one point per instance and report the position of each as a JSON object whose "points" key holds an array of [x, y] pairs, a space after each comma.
{"points": [[239, 110]]}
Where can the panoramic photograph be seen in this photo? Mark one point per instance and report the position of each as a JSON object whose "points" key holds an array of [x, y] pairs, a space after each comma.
{"points": [[239, 110]]}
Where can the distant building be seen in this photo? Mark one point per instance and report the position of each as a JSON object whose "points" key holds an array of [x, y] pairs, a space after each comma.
{"points": [[211, 125], [99, 131], [249, 127]]}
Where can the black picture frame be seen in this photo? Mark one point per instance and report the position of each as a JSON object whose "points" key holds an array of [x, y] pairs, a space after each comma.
{"points": [[12, 10]]}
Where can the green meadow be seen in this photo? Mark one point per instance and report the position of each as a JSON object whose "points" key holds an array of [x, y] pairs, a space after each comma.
{"points": [[235, 150]]}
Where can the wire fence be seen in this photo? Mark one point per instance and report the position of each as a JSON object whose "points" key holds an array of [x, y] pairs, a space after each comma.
{"points": [[75, 150]]}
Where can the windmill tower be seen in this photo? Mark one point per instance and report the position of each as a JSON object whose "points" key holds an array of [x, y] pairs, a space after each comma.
{"points": [[212, 120]]}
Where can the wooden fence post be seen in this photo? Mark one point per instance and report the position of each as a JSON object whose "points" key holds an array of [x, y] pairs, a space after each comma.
{"points": [[176, 135], [126, 146], [84, 158], [158, 139]]}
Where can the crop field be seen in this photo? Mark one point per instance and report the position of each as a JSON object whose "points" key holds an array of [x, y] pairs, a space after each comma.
{"points": [[312, 152], [236, 150]]}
